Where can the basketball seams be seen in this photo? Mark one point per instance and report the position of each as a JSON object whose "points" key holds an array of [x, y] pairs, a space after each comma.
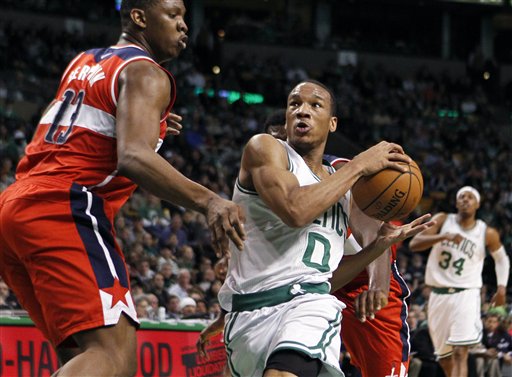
{"points": [[389, 217], [411, 190], [383, 191]]}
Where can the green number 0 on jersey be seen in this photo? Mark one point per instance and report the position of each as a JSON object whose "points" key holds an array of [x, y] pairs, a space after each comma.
{"points": [[317, 244]]}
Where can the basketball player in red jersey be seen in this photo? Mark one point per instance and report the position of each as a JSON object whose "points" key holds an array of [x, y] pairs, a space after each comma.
{"points": [[95, 142], [379, 347]]}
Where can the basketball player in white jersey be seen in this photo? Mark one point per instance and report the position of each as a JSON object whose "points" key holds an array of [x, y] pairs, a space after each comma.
{"points": [[454, 271], [282, 321]]}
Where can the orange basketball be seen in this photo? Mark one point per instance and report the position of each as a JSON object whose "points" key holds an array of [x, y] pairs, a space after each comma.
{"points": [[389, 194]]}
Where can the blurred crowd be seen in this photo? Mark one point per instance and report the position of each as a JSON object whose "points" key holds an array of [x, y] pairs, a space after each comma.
{"points": [[454, 127]]}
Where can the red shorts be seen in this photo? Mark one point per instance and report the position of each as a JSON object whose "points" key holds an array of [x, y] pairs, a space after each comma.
{"points": [[378, 347], [59, 256]]}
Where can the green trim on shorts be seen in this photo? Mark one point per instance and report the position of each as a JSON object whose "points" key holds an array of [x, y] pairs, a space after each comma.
{"points": [[332, 327], [229, 351], [466, 342], [445, 355], [275, 296], [447, 291], [318, 350]]}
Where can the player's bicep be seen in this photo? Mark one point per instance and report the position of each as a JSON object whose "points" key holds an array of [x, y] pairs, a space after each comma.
{"points": [[492, 239], [265, 169], [144, 93]]}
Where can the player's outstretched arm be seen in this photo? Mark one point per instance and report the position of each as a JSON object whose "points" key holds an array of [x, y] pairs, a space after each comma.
{"points": [[387, 235], [213, 329], [143, 96], [501, 265], [368, 302], [429, 237]]}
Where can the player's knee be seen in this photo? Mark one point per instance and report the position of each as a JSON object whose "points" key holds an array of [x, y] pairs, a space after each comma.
{"points": [[460, 353]]}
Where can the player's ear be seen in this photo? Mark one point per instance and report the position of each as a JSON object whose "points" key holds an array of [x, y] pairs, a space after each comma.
{"points": [[333, 124], [138, 17]]}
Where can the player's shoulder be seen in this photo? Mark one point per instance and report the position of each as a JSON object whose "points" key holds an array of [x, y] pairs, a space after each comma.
{"points": [[264, 142], [144, 67], [491, 232], [264, 148]]}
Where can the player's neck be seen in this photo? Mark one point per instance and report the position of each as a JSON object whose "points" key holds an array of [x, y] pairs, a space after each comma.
{"points": [[128, 38], [466, 221], [316, 166]]}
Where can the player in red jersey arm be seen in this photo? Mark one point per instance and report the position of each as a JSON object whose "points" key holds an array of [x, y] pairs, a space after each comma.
{"points": [[378, 347], [95, 142]]}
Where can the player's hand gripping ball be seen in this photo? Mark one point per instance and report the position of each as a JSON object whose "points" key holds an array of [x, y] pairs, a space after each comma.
{"points": [[389, 194]]}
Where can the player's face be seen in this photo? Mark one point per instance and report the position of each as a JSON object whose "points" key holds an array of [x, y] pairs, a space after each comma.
{"points": [[308, 114], [166, 30], [467, 203]]}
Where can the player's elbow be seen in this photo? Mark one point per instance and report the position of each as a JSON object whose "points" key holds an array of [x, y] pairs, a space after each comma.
{"points": [[414, 245], [128, 161], [295, 219]]}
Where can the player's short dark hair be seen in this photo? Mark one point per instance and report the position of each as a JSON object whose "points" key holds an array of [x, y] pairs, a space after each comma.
{"points": [[128, 5], [331, 93], [275, 118]]}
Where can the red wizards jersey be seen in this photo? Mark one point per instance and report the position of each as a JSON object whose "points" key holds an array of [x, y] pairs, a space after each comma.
{"points": [[75, 140]]}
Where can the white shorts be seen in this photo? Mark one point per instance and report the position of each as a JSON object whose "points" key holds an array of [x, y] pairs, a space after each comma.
{"points": [[454, 320], [309, 324]]}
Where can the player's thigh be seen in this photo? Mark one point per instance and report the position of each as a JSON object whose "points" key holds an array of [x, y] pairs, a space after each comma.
{"points": [[70, 254], [467, 326], [18, 279], [119, 339], [440, 320], [377, 346], [13, 270]]}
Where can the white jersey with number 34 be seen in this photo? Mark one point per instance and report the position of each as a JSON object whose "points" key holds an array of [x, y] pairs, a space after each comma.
{"points": [[457, 265]]}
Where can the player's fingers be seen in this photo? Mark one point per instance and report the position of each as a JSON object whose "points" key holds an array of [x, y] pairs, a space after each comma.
{"points": [[216, 240], [236, 222], [224, 232], [201, 347], [361, 306], [420, 220], [172, 131], [395, 148], [399, 162], [370, 304], [235, 232], [174, 117]]}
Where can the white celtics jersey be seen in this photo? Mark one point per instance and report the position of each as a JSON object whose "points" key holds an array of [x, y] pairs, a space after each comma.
{"points": [[457, 266], [275, 254]]}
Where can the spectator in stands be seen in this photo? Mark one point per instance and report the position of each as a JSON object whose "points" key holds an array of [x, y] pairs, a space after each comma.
{"points": [[173, 310], [142, 306], [183, 284], [159, 290], [187, 257], [187, 307], [168, 273], [497, 347]]}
